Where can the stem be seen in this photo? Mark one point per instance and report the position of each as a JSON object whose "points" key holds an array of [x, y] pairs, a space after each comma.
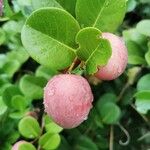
{"points": [[144, 117], [123, 91], [127, 135], [72, 65], [111, 141]]}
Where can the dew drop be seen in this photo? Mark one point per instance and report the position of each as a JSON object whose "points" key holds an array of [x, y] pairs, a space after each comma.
{"points": [[85, 118]]}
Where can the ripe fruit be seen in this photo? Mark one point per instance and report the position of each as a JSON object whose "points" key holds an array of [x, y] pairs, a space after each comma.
{"points": [[1, 7], [16, 145], [117, 62], [68, 99]]}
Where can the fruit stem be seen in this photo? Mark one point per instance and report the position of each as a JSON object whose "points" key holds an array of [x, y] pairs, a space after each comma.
{"points": [[72, 65], [111, 143]]}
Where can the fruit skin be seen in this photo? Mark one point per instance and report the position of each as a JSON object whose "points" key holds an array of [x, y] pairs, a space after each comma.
{"points": [[16, 145], [1, 7], [68, 99], [118, 60]]}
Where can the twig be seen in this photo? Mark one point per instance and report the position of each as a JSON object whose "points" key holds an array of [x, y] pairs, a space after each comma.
{"points": [[72, 65], [111, 141], [144, 117], [123, 91], [127, 135]]}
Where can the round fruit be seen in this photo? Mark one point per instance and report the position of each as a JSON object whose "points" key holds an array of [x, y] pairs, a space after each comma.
{"points": [[16, 145], [68, 99], [118, 60]]}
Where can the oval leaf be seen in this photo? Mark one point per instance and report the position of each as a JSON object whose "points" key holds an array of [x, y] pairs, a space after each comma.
{"points": [[144, 83], [51, 39], [32, 87], [29, 127], [49, 141], [143, 101], [143, 27], [94, 50], [110, 113], [105, 15]]}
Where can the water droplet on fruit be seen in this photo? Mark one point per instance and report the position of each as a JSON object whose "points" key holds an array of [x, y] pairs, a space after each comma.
{"points": [[85, 118]]}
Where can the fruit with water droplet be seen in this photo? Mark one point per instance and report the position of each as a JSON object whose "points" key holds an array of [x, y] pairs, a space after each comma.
{"points": [[118, 60], [71, 100]]}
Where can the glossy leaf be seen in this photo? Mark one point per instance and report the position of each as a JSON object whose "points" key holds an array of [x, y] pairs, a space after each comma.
{"points": [[3, 107], [93, 49], [68, 5], [143, 27], [45, 72], [143, 101], [32, 87], [110, 113], [19, 102], [106, 98], [53, 128], [147, 55], [49, 141], [85, 143], [29, 127], [105, 15], [36, 4], [51, 40], [144, 83], [9, 93]]}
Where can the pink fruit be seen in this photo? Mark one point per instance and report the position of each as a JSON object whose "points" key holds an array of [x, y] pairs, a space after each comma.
{"points": [[117, 62], [16, 145], [68, 99], [1, 7]]}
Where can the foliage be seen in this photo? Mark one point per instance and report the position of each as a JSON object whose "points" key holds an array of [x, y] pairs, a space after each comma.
{"points": [[54, 33]]}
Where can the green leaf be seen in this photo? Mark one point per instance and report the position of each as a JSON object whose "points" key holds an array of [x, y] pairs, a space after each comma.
{"points": [[53, 128], [2, 36], [36, 4], [19, 102], [85, 143], [51, 40], [135, 36], [7, 9], [26, 146], [32, 87], [68, 5], [110, 113], [143, 101], [11, 67], [105, 15], [45, 72], [136, 60], [2, 60], [131, 4], [25, 6], [94, 50], [106, 98], [49, 141], [3, 107], [18, 114], [29, 127], [9, 93], [20, 55], [135, 53], [143, 27], [144, 83], [147, 55]]}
